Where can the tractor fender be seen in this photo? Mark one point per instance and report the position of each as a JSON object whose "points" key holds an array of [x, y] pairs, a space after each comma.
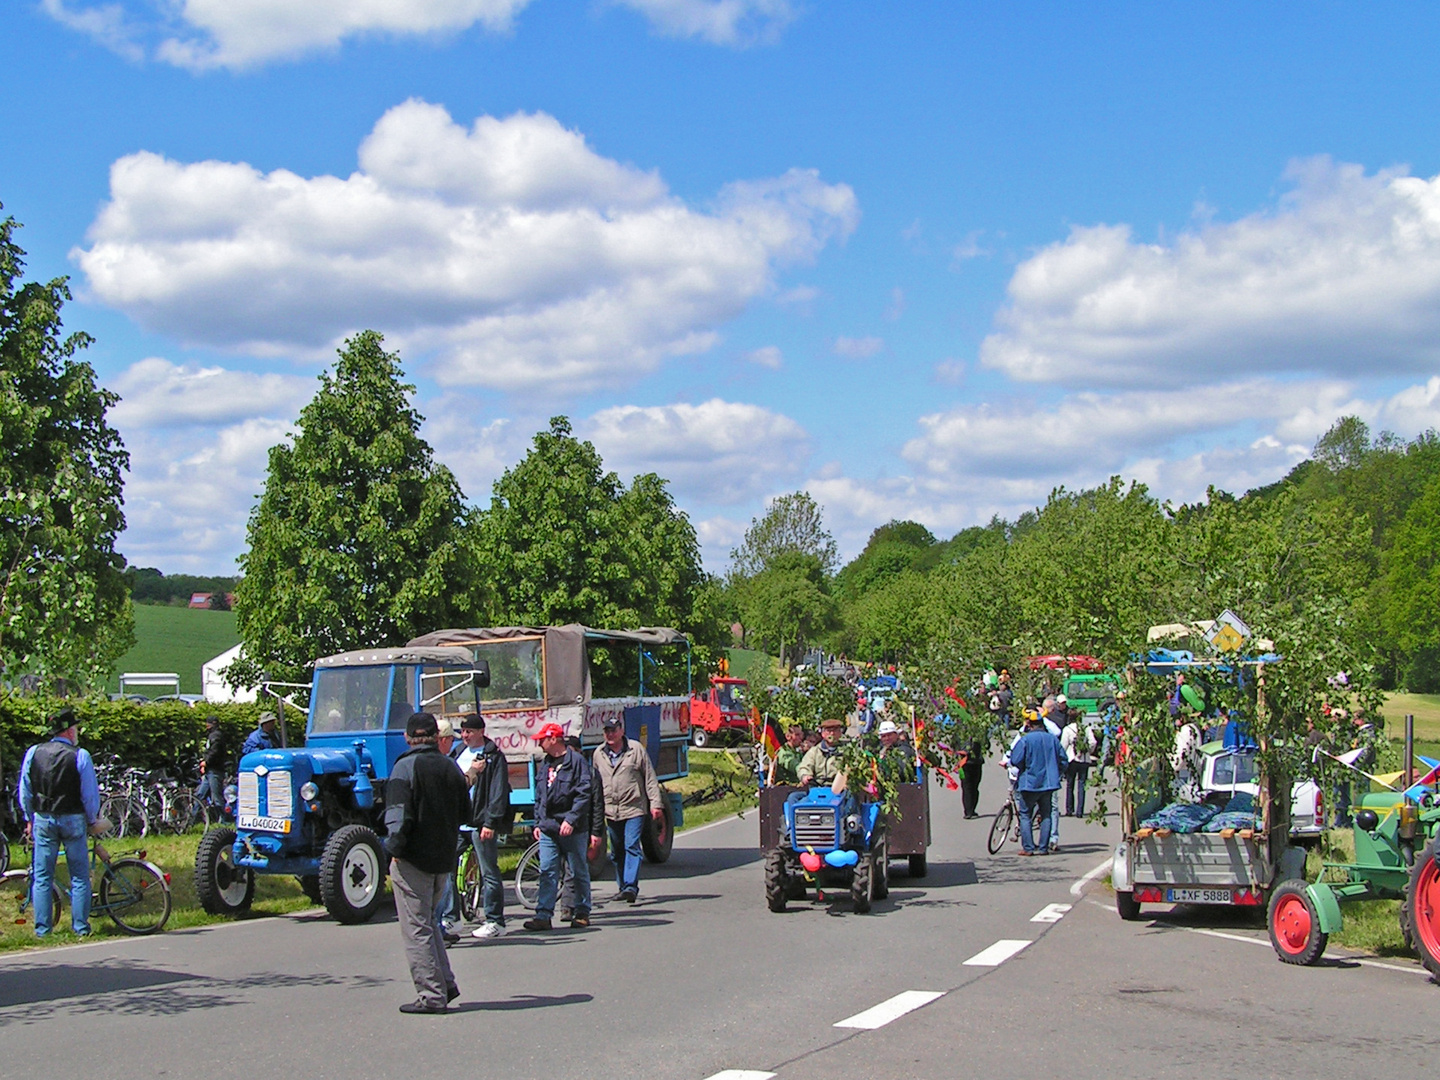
{"points": [[1327, 907]]}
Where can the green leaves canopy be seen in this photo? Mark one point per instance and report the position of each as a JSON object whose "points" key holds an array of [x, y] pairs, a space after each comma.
{"points": [[64, 608]]}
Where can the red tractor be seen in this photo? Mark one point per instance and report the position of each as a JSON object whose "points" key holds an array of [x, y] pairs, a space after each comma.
{"points": [[721, 709]]}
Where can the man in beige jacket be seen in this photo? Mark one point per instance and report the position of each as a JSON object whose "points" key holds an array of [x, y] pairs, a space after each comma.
{"points": [[626, 780]]}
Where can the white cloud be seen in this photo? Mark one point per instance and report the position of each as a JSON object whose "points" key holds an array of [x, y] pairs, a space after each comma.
{"points": [[108, 25], [511, 251], [1343, 277], [156, 393], [717, 452], [853, 348], [720, 22], [950, 371], [969, 248], [767, 356]]}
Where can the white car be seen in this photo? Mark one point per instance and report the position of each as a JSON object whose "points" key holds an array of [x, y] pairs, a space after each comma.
{"points": [[1231, 771]]}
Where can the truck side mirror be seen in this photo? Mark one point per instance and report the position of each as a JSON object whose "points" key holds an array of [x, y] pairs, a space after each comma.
{"points": [[482, 673]]}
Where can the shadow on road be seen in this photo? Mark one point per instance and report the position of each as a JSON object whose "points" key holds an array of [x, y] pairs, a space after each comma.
{"points": [[524, 1001], [696, 862], [31, 985]]}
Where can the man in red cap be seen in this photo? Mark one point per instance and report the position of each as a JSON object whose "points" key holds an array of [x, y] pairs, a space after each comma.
{"points": [[563, 796]]}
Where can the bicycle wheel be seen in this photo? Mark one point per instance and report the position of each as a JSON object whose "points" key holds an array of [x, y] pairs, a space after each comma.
{"points": [[135, 895], [181, 812], [527, 877], [4, 852], [1000, 828], [467, 874]]}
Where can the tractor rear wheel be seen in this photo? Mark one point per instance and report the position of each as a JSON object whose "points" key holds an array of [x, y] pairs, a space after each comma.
{"points": [[777, 883], [699, 737], [222, 887], [881, 853], [352, 874], [862, 884], [1422, 900], [1295, 924]]}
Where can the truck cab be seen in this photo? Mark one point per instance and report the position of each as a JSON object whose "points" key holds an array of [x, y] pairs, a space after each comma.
{"points": [[720, 711], [317, 811]]}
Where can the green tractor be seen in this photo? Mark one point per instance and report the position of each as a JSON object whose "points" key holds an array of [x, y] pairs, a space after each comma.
{"points": [[1395, 848]]}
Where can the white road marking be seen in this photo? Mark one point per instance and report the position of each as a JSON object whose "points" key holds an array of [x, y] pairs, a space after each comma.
{"points": [[680, 834], [895, 1007], [996, 954], [1266, 942], [1051, 913], [1079, 886], [741, 1074]]}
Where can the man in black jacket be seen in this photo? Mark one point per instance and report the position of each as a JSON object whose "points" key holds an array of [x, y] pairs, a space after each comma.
{"points": [[426, 801], [562, 825], [212, 771], [488, 774]]}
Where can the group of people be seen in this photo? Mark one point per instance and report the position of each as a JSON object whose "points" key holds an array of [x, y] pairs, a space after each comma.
{"points": [[805, 760], [1055, 746], [439, 792]]}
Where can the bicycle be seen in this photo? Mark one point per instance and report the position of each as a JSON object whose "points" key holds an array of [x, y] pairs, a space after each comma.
{"points": [[132, 892]]}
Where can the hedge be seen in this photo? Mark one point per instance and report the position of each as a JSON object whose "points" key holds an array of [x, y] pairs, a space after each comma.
{"points": [[166, 735]]}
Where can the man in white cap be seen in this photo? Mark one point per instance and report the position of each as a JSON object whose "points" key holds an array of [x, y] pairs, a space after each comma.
{"points": [[892, 748]]}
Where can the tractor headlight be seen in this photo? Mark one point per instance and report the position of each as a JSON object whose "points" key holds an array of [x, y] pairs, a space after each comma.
{"points": [[308, 791], [852, 823]]}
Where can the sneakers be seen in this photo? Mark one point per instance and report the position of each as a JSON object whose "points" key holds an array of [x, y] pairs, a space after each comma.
{"points": [[488, 932], [629, 896], [579, 922], [535, 924], [420, 1008]]}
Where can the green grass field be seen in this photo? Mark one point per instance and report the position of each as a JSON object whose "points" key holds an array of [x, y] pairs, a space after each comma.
{"points": [[176, 639], [1424, 707]]}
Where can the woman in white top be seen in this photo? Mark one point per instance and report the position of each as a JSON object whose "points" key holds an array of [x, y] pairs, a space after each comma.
{"points": [[1078, 742]]}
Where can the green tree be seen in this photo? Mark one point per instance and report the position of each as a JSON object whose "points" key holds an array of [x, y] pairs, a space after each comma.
{"points": [[1412, 591], [793, 523], [64, 604], [358, 538], [787, 604]]}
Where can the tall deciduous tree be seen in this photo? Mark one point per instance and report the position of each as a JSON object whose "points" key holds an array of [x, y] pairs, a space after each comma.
{"points": [[793, 523], [64, 607], [359, 537]]}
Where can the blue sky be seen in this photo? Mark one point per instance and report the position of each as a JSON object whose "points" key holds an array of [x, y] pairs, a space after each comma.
{"points": [[925, 260]]}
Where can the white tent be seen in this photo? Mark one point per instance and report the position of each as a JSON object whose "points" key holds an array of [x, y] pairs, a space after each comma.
{"points": [[215, 687]]}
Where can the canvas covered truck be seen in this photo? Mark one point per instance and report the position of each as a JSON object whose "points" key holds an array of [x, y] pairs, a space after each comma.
{"points": [[317, 812], [544, 674]]}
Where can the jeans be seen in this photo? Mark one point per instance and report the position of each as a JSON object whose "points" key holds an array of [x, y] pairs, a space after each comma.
{"points": [[210, 790], [1030, 801], [492, 886], [1075, 775], [553, 848], [53, 831], [625, 850], [1054, 823], [1342, 804]]}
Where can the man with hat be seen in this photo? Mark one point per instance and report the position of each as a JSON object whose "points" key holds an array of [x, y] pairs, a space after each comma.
{"points": [[821, 762], [629, 789], [893, 749], [562, 826], [486, 771], [262, 738], [212, 770], [60, 799], [426, 801]]}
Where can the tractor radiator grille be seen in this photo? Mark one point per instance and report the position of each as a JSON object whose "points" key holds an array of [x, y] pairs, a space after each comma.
{"points": [[278, 802], [815, 828], [249, 794]]}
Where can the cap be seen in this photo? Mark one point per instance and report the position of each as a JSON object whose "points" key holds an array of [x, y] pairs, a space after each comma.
{"points": [[421, 725], [444, 728], [209, 720], [613, 721], [1061, 699], [832, 722], [63, 720], [887, 727], [472, 722], [267, 718], [550, 731]]}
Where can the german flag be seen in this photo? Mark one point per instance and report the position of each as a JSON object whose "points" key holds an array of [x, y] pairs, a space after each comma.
{"points": [[769, 734]]}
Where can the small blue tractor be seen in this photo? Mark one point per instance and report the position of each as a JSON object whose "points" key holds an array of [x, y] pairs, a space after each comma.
{"points": [[818, 838]]}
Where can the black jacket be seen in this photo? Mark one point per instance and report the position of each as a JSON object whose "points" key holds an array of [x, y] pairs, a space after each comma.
{"points": [[490, 797], [426, 802], [567, 797], [215, 757]]}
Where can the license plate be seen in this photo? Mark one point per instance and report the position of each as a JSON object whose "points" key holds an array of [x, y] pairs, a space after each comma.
{"points": [[1199, 896], [263, 824]]}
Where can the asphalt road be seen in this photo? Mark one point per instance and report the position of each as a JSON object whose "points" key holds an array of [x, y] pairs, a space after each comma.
{"points": [[699, 978]]}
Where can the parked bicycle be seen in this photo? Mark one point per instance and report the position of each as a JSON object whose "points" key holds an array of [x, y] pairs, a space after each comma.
{"points": [[131, 891], [1006, 826]]}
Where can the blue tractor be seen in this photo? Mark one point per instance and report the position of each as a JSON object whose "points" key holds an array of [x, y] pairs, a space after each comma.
{"points": [[317, 812], [818, 838]]}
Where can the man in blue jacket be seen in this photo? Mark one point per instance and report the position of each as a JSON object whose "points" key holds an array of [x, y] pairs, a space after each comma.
{"points": [[1040, 761], [563, 796]]}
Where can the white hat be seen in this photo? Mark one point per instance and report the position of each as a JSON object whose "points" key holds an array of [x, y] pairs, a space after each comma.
{"points": [[444, 729], [1061, 699], [887, 727]]}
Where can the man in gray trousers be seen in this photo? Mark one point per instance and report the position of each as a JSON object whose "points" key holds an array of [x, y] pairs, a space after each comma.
{"points": [[426, 801]]}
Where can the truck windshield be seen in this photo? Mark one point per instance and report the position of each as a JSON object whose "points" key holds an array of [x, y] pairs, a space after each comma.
{"points": [[732, 698], [517, 674], [1089, 690], [350, 699], [1233, 769]]}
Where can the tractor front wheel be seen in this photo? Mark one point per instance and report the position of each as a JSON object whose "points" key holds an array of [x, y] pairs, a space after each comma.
{"points": [[222, 887], [777, 880], [1422, 904], [352, 874], [862, 884], [699, 737], [1295, 924]]}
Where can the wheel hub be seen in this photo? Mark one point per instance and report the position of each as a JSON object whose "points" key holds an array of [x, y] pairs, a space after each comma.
{"points": [[1292, 924]]}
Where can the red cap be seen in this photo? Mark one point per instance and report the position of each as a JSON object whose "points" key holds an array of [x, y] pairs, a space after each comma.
{"points": [[550, 731]]}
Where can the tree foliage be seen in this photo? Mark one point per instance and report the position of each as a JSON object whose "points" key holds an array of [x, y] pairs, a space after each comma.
{"points": [[358, 538], [64, 606], [793, 524]]}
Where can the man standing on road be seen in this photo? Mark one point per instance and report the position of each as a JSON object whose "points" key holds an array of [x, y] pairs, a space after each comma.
{"points": [[562, 819], [488, 775], [1039, 763], [263, 737], [426, 800], [629, 791], [60, 799], [821, 763]]}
